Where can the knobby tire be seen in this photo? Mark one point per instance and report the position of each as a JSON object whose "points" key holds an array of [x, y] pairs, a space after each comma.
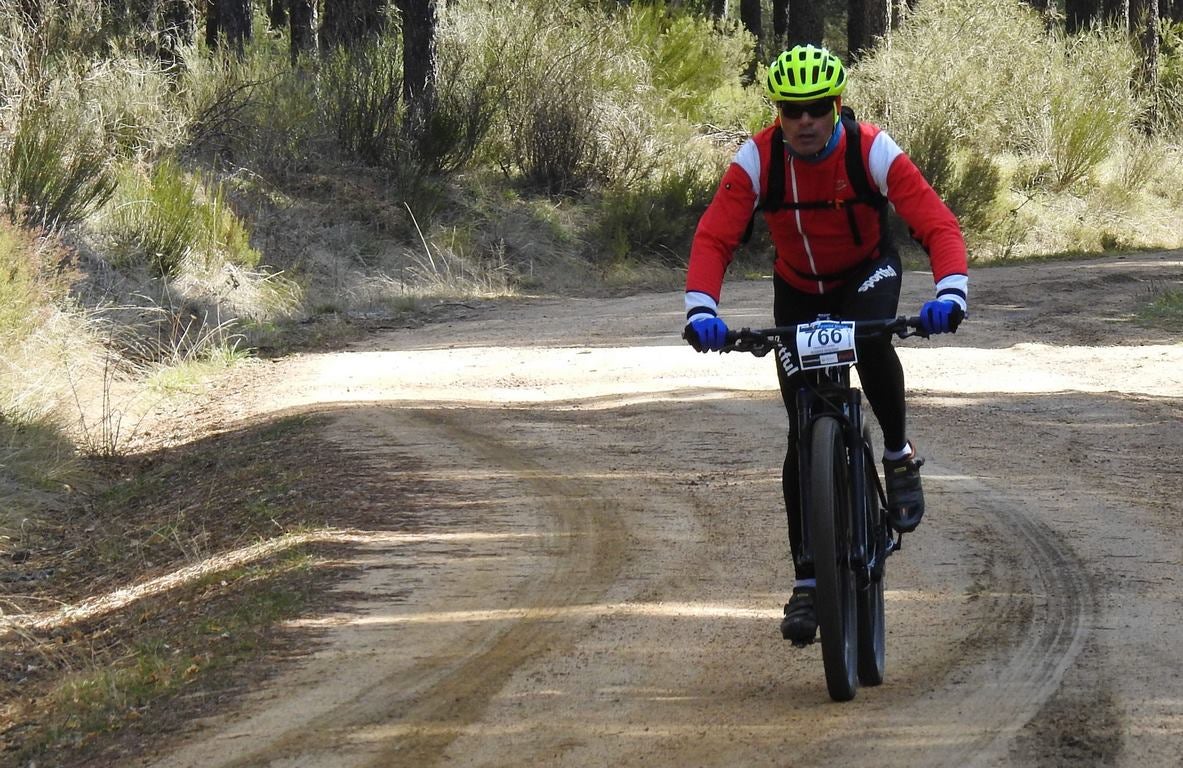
{"points": [[829, 521], [872, 626]]}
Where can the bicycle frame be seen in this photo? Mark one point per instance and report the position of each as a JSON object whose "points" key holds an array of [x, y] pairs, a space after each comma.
{"points": [[827, 394]]}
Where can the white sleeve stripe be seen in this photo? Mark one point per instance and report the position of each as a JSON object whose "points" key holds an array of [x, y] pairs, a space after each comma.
{"points": [[748, 158], [884, 151], [700, 300], [954, 288]]}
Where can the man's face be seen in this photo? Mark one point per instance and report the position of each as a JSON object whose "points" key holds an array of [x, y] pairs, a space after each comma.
{"points": [[807, 125]]}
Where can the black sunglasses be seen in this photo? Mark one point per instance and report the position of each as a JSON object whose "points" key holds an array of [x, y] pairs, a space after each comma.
{"points": [[793, 110]]}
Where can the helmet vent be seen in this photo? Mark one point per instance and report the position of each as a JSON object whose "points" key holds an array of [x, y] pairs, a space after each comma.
{"points": [[805, 73]]}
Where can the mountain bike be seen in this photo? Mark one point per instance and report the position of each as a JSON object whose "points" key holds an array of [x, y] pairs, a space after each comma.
{"points": [[845, 533]]}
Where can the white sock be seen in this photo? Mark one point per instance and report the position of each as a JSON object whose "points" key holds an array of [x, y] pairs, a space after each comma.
{"points": [[902, 453], [811, 583]]}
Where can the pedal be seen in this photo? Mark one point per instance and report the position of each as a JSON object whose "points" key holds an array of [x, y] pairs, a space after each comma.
{"points": [[802, 643]]}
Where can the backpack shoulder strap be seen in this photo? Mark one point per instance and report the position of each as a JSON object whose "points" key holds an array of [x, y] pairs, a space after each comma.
{"points": [[856, 169], [774, 200]]}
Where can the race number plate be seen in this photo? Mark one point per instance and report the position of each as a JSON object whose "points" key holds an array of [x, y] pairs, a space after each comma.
{"points": [[826, 343]]}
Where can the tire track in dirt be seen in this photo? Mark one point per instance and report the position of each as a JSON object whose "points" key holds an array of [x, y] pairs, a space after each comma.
{"points": [[588, 536], [409, 717], [1032, 610], [1042, 598]]}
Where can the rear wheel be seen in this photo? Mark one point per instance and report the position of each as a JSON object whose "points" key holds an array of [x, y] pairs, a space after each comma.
{"points": [[829, 529], [872, 628]]}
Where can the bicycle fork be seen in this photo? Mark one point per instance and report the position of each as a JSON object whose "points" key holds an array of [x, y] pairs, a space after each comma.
{"points": [[866, 554]]}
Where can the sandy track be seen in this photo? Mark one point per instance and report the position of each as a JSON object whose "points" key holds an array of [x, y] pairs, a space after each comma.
{"points": [[603, 557]]}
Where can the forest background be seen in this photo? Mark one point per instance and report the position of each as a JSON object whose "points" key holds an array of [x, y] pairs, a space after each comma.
{"points": [[183, 186], [186, 186]]}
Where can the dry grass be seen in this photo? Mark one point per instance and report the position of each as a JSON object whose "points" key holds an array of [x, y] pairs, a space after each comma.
{"points": [[165, 591]]}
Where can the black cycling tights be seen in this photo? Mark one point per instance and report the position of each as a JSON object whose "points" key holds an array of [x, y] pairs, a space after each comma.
{"points": [[873, 295]]}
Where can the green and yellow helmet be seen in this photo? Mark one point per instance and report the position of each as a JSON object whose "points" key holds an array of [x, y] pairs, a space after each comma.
{"points": [[805, 73]]}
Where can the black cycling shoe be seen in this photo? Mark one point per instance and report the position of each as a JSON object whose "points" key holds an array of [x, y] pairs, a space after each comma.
{"points": [[800, 622], [905, 497]]}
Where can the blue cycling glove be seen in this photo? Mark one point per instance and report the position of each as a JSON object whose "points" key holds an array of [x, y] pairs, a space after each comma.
{"points": [[706, 334], [940, 316]]}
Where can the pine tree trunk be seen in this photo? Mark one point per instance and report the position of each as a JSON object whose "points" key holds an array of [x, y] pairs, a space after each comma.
{"points": [[419, 60], [211, 24], [807, 22], [1117, 12], [348, 21], [1148, 16], [1078, 14], [878, 15], [780, 26], [230, 19], [749, 14], [301, 28], [178, 24], [277, 14], [856, 27]]}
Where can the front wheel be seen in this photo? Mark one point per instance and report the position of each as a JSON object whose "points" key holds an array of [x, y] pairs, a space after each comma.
{"points": [[872, 634], [829, 527]]}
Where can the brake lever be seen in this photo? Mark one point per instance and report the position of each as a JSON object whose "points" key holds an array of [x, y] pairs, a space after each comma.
{"points": [[761, 350], [756, 346]]}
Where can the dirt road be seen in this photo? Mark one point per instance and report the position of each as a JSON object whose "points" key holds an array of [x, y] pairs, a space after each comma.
{"points": [[596, 571]]}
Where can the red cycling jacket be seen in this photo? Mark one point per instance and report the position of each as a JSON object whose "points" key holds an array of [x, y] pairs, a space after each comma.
{"points": [[814, 247]]}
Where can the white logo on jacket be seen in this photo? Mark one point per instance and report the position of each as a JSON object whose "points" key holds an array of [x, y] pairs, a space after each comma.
{"points": [[788, 361], [880, 274]]}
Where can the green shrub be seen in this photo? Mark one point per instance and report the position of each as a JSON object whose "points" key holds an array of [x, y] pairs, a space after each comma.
{"points": [[931, 148], [362, 98], [576, 108], [974, 197], [1002, 81], [1031, 174], [1140, 162], [976, 64], [54, 173], [1165, 309], [695, 62], [552, 140], [472, 76], [1170, 84], [970, 187], [656, 218], [25, 289], [1083, 130], [162, 219], [136, 104], [361, 93]]}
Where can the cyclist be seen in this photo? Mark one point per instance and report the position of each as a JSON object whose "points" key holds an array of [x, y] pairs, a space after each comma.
{"points": [[833, 255]]}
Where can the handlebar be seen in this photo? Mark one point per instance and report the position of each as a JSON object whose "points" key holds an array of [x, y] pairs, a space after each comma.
{"points": [[761, 341]]}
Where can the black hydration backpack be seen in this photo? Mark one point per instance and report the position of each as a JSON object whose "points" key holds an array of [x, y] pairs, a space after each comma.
{"points": [[865, 194]]}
